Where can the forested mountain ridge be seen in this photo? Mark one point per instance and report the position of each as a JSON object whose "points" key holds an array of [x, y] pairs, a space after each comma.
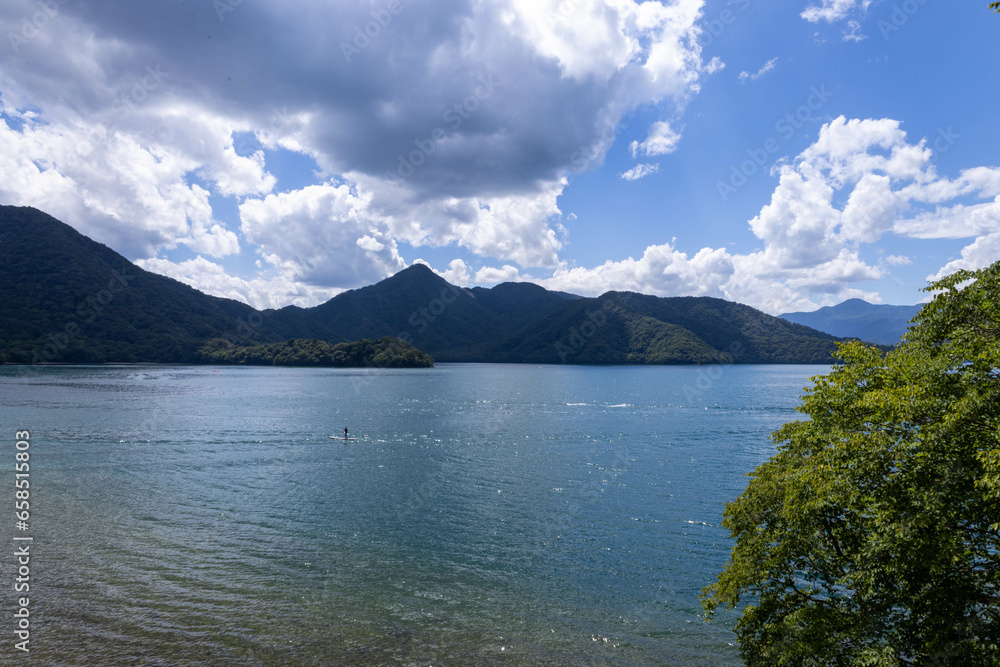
{"points": [[66, 298], [855, 318]]}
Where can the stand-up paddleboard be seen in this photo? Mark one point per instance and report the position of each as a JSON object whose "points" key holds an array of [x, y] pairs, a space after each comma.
{"points": [[340, 437]]}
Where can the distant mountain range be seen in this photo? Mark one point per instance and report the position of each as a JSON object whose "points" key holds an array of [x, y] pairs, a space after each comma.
{"points": [[64, 297], [855, 318]]}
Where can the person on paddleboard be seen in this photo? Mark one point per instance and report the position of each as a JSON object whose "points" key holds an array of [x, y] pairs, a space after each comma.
{"points": [[345, 433]]}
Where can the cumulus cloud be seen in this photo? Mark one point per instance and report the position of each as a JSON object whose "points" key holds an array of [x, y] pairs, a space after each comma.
{"points": [[856, 183], [457, 273], [261, 292], [662, 140], [322, 235], [978, 255], [457, 123], [661, 270], [131, 195], [640, 171], [489, 275]]}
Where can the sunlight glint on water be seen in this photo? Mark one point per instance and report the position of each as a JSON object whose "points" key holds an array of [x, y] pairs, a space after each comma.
{"points": [[507, 515]]}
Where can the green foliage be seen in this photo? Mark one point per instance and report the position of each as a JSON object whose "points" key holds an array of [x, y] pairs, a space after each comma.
{"points": [[65, 298], [995, 6], [873, 536], [627, 328], [383, 353]]}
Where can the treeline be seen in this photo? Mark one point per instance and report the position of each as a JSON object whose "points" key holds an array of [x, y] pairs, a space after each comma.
{"points": [[387, 352]]}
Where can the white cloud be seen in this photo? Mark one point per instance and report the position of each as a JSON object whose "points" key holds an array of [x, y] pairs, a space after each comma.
{"points": [[832, 11], [640, 171], [323, 235], [853, 32], [661, 270], [134, 196], [516, 227], [499, 101], [847, 190], [954, 222], [983, 252], [662, 140], [457, 273], [492, 276], [767, 67], [260, 292], [714, 65]]}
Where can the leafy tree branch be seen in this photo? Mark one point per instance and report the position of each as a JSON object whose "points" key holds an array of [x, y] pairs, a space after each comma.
{"points": [[887, 499]]}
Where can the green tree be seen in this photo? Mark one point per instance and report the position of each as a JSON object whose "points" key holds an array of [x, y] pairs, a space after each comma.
{"points": [[995, 6], [873, 536]]}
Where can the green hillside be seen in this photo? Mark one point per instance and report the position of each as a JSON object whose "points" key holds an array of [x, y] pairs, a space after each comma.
{"points": [[417, 306], [627, 328], [66, 298]]}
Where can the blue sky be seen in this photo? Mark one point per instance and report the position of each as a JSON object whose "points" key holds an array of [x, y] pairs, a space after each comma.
{"points": [[786, 155]]}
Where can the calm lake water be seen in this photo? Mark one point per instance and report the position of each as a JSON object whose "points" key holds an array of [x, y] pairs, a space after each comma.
{"points": [[486, 515]]}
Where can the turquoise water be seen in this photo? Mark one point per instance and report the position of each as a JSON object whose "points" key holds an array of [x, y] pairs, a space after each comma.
{"points": [[486, 515]]}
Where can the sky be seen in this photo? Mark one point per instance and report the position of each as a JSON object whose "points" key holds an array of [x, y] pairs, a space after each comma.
{"points": [[787, 154]]}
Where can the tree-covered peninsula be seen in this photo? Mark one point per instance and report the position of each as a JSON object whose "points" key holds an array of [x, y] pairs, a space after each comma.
{"points": [[385, 352]]}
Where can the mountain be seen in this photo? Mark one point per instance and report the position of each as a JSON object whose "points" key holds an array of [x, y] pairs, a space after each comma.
{"points": [[629, 328], [525, 323], [416, 305], [64, 297], [859, 319], [449, 322]]}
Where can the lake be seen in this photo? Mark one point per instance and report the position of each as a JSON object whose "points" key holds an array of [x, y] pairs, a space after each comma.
{"points": [[485, 515]]}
